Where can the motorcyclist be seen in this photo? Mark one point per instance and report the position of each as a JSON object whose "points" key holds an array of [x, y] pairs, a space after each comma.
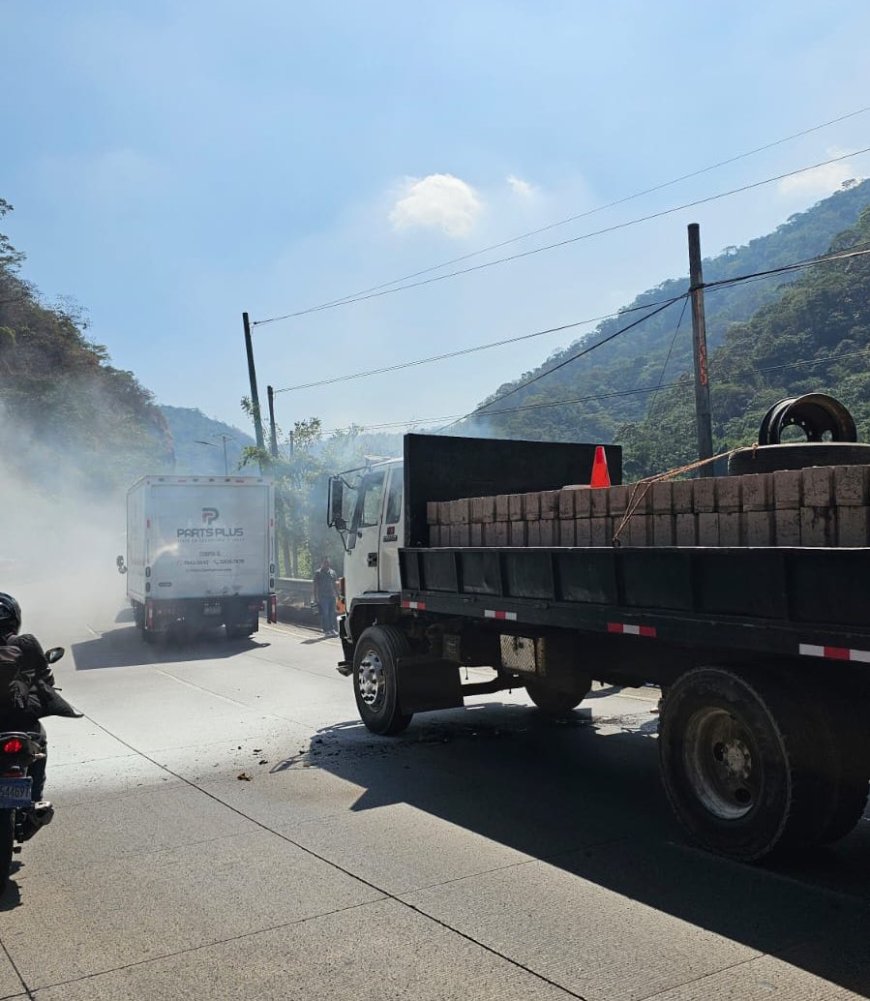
{"points": [[27, 692]]}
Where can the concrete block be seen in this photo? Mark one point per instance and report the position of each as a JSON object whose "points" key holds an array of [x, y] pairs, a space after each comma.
{"points": [[566, 503], [517, 533], [757, 492], [682, 496], [483, 509], [550, 504], [639, 530], [531, 506], [853, 526], [583, 502], [460, 511], [851, 486], [704, 496], [435, 535], [460, 536], [618, 500], [583, 532], [818, 486], [729, 528], [515, 507], [686, 528], [728, 493], [664, 529], [787, 491], [708, 528], [549, 532], [445, 512], [501, 507], [598, 500], [818, 524], [567, 533], [638, 498], [600, 531], [787, 522], [759, 528], [663, 497], [432, 516], [496, 534], [475, 533], [533, 533]]}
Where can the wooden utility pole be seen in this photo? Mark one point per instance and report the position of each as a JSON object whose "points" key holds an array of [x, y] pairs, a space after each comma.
{"points": [[252, 375], [699, 349], [280, 500], [273, 434]]}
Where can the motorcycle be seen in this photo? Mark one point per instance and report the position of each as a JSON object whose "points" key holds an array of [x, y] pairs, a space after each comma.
{"points": [[20, 817]]}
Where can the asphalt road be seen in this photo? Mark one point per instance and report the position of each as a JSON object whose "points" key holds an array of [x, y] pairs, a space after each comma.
{"points": [[226, 829]]}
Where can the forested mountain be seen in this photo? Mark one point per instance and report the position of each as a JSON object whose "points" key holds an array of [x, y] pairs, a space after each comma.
{"points": [[814, 338], [70, 420], [199, 442], [659, 349]]}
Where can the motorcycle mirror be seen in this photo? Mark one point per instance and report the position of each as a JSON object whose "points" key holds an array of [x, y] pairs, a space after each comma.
{"points": [[54, 654]]}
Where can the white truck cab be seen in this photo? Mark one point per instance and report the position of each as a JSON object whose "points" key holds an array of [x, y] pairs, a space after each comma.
{"points": [[367, 507]]}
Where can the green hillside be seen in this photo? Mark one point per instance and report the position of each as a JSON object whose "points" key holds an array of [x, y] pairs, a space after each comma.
{"points": [[815, 337], [69, 416], [655, 351]]}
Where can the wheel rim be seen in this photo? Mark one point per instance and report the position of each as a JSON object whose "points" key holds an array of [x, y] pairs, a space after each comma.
{"points": [[721, 763], [371, 681]]}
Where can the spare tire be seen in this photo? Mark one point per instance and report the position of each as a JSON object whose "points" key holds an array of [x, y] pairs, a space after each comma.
{"points": [[767, 458], [816, 414]]}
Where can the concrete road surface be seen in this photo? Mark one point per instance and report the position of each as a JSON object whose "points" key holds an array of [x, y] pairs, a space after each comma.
{"points": [[226, 829]]}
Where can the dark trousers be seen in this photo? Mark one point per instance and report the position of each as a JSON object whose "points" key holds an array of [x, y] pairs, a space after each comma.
{"points": [[327, 615]]}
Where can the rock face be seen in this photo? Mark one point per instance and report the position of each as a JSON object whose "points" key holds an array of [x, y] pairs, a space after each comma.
{"points": [[819, 507]]}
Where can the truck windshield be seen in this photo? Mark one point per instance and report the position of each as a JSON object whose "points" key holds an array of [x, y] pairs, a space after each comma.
{"points": [[372, 500]]}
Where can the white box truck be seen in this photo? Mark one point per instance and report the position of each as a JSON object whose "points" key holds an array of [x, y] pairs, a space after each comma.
{"points": [[200, 553]]}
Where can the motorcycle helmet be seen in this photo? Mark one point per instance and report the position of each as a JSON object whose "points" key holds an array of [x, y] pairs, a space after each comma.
{"points": [[10, 615]]}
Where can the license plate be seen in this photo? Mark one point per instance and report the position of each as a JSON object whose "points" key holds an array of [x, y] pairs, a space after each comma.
{"points": [[14, 792], [213, 608]]}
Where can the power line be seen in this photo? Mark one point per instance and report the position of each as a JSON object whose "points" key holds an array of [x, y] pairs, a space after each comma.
{"points": [[562, 243], [465, 351], [580, 215]]}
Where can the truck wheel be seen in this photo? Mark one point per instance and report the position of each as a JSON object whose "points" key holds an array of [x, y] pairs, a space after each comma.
{"points": [[552, 701], [375, 679], [748, 766], [852, 785]]}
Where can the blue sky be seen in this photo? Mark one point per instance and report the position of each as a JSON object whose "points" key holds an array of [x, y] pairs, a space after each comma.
{"points": [[173, 164]]}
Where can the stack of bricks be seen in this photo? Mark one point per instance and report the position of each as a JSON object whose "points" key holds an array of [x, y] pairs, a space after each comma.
{"points": [[818, 506]]}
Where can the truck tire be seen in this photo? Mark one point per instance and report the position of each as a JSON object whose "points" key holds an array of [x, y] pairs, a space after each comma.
{"points": [[748, 764], [375, 679], [769, 458], [852, 783], [553, 702]]}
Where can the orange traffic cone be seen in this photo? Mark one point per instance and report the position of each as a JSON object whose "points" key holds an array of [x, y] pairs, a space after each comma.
{"points": [[600, 474]]}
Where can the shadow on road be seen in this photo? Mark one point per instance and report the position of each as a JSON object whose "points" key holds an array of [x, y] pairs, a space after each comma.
{"points": [[124, 647], [583, 794]]}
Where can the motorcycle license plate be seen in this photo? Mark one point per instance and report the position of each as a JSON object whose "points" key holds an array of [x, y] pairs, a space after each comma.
{"points": [[14, 793]]}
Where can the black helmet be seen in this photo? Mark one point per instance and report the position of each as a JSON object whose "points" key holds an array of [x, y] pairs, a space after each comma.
{"points": [[10, 615]]}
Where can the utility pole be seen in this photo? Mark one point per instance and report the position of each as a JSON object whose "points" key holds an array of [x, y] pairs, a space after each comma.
{"points": [[273, 434], [252, 374], [699, 349]]}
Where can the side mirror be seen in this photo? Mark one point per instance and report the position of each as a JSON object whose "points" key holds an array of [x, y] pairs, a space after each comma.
{"points": [[335, 514], [54, 654]]}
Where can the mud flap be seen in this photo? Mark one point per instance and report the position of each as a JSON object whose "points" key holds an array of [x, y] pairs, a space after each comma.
{"points": [[428, 683]]}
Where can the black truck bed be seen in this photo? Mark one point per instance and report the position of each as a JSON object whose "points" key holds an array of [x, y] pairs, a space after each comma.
{"points": [[783, 601]]}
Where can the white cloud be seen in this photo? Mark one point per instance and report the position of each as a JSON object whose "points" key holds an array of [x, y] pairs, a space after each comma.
{"points": [[521, 187], [819, 182], [439, 201]]}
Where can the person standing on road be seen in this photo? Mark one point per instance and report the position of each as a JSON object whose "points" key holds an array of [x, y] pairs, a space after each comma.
{"points": [[325, 593]]}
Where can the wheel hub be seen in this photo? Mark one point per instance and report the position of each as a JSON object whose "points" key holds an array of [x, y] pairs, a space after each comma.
{"points": [[371, 679], [718, 755]]}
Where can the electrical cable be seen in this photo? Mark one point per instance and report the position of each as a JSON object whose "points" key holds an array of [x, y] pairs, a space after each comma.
{"points": [[563, 243]]}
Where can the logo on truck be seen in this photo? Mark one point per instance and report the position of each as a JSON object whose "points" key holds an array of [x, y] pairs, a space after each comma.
{"points": [[210, 514]]}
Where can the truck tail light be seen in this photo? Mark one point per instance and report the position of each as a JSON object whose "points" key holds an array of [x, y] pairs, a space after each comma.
{"points": [[273, 608]]}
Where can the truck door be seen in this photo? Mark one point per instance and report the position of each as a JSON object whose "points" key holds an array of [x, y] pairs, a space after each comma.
{"points": [[367, 527], [393, 532]]}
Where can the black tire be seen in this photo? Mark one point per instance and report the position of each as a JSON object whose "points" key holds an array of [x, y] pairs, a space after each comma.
{"points": [[139, 615], [375, 679], [553, 702], [768, 458], [852, 783], [148, 636], [239, 632], [749, 766], [7, 841]]}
